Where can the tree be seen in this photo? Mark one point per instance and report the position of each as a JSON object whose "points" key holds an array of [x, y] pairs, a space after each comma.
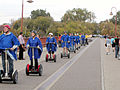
{"points": [[39, 12], [78, 15], [41, 24]]}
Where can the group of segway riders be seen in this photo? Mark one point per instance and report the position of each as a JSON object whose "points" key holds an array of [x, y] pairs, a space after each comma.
{"points": [[9, 44]]}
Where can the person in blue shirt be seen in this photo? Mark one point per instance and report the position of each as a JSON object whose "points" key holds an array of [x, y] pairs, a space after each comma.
{"points": [[33, 41], [8, 41], [51, 44], [113, 43], [65, 42], [77, 40], [72, 40], [83, 39]]}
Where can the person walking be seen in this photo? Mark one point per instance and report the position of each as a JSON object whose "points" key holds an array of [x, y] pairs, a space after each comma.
{"points": [[113, 43], [116, 46], [21, 47], [108, 45]]}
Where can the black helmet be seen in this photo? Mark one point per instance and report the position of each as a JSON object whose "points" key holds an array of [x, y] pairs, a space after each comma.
{"points": [[33, 31]]}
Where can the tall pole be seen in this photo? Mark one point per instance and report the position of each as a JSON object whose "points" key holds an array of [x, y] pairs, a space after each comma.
{"points": [[22, 15], [115, 19], [116, 25]]}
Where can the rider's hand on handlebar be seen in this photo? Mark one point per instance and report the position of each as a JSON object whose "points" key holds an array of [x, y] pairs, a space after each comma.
{"points": [[38, 47], [27, 46], [12, 49]]}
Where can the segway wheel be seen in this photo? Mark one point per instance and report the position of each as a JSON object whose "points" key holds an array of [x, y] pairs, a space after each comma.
{"points": [[74, 51], [47, 58], [15, 77], [0, 76], [68, 55], [61, 55], [27, 69], [40, 70], [54, 58]]}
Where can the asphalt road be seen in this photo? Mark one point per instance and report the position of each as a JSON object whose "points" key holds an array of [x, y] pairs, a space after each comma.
{"points": [[80, 72]]}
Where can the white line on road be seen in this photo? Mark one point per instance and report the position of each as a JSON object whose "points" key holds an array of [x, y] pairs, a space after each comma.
{"points": [[102, 69], [50, 81]]}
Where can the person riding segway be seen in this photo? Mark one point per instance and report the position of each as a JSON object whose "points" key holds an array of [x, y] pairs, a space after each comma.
{"points": [[65, 45], [8, 48], [34, 51], [72, 43], [51, 46]]}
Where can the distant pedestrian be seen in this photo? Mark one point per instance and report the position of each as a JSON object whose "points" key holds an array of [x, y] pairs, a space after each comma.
{"points": [[113, 43], [116, 46], [108, 45], [21, 47]]}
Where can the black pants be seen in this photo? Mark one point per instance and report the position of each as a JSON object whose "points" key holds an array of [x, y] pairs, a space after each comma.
{"points": [[36, 64], [52, 52], [21, 52]]}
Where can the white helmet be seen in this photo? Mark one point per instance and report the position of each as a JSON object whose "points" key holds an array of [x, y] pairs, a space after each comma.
{"points": [[51, 34]]}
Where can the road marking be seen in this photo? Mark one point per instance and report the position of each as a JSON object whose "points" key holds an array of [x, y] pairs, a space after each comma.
{"points": [[102, 69], [50, 81]]}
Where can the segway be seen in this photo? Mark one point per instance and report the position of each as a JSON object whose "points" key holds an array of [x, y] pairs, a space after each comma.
{"points": [[72, 48], [65, 54], [14, 76], [31, 69], [49, 57]]}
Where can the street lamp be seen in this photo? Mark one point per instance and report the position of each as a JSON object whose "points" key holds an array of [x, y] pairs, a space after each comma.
{"points": [[115, 19], [29, 1]]}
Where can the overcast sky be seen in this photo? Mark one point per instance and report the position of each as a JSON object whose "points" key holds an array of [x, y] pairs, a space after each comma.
{"points": [[11, 9]]}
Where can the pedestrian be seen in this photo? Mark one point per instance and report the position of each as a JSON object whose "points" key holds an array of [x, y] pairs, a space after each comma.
{"points": [[51, 44], [33, 41], [21, 47], [113, 43], [59, 40], [116, 46], [108, 45], [8, 41]]}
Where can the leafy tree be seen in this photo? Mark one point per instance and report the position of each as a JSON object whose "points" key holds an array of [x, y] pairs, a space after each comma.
{"points": [[39, 12], [114, 18], [78, 15]]}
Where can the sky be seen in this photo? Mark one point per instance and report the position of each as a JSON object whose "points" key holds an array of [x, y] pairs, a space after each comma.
{"points": [[11, 9]]}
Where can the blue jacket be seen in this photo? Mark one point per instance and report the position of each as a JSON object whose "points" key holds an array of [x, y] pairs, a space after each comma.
{"points": [[8, 41], [77, 39], [65, 39], [72, 40], [49, 44], [83, 37], [34, 43]]}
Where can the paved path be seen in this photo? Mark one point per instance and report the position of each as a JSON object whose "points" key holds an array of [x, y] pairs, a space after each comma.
{"points": [[89, 69]]}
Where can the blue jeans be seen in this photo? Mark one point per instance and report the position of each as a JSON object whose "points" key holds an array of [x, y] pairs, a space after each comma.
{"points": [[10, 61], [116, 50]]}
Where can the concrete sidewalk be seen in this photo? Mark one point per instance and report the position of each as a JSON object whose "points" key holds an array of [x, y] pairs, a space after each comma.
{"points": [[111, 70]]}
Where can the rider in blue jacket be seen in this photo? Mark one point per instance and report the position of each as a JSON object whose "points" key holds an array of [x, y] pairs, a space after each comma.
{"points": [[33, 41], [8, 41], [51, 44], [65, 42]]}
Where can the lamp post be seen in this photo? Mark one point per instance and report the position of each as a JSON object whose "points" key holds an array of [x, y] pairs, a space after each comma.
{"points": [[29, 1], [115, 19]]}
